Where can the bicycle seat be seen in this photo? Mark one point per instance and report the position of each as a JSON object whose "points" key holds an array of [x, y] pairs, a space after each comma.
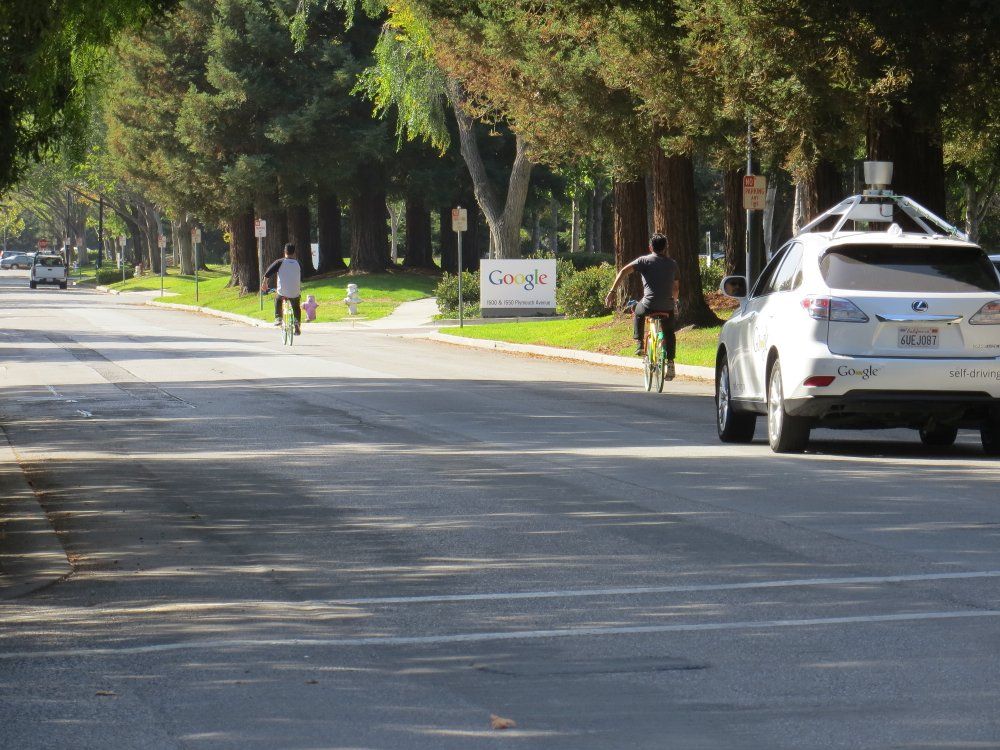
{"points": [[659, 314]]}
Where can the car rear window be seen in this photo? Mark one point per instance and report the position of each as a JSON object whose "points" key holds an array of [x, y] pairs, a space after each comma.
{"points": [[49, 262], [908, 268]]}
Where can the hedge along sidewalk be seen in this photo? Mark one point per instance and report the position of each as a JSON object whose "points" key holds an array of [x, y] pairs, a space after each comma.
{"points": [[380, 293]]}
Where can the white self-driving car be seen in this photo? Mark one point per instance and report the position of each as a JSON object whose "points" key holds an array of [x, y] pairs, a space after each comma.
{"points": [[857, 329]]}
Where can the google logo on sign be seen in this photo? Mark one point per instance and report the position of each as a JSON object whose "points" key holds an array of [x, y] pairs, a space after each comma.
{"points": [[525, 280]]}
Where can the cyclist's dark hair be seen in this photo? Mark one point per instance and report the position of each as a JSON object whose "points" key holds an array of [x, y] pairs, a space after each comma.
{"points": [[289, 248], [659, 243]]}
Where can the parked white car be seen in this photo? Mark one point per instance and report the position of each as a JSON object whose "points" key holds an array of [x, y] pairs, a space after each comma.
{"points": [[48, 269], [865, 329]]}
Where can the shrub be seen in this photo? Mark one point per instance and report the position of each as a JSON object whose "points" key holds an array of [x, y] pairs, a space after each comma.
{"points": [[711, 276], [588, 260], [582, 295], [447, 293], [110, 274]]}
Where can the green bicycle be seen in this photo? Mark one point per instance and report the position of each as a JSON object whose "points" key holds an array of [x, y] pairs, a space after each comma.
{"points": [[654, 357]]}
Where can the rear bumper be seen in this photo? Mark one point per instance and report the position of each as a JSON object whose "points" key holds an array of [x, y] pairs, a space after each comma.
{"points": [[894, 392]]}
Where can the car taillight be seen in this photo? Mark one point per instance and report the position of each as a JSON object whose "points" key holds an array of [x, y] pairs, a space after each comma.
{"points": [[833, 308], [988, 315], [818, 381]]}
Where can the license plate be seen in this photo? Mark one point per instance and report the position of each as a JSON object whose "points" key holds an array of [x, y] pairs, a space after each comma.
{"points": [[918, 337]]}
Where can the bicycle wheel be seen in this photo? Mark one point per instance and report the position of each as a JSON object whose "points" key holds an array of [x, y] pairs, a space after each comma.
{"points": [[651, 356], [661, 365], [288, 324], [647, 370]]}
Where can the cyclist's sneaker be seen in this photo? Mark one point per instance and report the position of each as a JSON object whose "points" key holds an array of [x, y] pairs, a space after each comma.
{"points": [[638, 349], [277, 322], [670, 370], [298, 331]]}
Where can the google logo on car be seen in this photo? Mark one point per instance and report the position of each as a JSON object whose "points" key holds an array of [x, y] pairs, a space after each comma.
{"points": [[525, 280]]}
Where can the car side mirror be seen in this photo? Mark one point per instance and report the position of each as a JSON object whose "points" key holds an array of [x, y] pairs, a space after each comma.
{"points": [[734, 286]]}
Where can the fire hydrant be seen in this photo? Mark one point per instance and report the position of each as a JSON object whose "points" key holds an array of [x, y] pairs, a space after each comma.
{"points": [[352, 300]]}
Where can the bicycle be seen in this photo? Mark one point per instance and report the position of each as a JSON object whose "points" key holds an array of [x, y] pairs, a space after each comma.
{"points": [[654, 358], [287, 323]]}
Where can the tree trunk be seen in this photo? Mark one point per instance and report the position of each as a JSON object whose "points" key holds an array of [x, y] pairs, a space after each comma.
{"points": [[243, 253], [419, 253], [153, 244], [599, 197], [735, 226], [816, 191], [369, 234], [299, 234], [916, 152], [554, 224], [630, 236], [449, 241], [589, 226], [331, 251], [182, 231], [504, 219], [276, 217], [676, 211], [395, 218], [574, 226]]}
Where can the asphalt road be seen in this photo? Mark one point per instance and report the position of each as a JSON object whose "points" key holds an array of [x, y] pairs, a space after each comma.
{"points": [[373, 541]]}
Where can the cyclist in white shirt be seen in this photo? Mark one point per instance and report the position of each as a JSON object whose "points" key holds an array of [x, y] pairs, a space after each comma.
{"points": [[289, 284]]}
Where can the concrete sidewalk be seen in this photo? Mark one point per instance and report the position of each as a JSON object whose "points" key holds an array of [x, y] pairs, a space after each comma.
{"points": [[31, 555]]}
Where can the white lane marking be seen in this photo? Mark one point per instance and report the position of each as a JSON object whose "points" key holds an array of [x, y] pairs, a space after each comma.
{"points": [[570, 593], [514, 635]]}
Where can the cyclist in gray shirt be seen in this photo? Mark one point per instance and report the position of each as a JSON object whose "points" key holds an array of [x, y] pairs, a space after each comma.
{"points": [[661, 288]]}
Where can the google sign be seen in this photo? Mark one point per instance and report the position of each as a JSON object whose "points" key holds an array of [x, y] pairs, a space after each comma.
{"points": [[517, 287]]}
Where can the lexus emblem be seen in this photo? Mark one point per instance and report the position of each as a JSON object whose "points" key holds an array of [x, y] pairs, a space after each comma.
{"points": [[920, 306]]}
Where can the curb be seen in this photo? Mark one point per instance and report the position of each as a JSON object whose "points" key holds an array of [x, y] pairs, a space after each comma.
{"points": [[213, 313], [553, 352], [31, 555]]}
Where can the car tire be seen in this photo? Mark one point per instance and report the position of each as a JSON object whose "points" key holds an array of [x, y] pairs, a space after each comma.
{"points": [[62, 285], [32, 285], [785, 433], [733, 426], [939, 436], [989, 432]]}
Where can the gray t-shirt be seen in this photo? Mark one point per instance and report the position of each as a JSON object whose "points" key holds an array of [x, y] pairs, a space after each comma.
{"points": [[658, 273]]}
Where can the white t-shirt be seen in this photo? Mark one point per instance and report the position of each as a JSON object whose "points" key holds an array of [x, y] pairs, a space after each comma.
{"points": [[289, 274]]}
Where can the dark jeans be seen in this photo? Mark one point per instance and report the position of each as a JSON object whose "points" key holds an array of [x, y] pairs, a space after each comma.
{"points": [[669, 339], [295, 307]]}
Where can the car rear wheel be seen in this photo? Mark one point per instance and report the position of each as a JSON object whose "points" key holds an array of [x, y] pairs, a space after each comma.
{"points": [[62, 285], [938, 436], [32, 285], [734, 426], [785, 433], [990, 434]]}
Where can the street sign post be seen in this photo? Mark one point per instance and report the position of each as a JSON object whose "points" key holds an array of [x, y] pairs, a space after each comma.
{"points": [[162, 242], [121, 255], [195, 240], [459, 224]]}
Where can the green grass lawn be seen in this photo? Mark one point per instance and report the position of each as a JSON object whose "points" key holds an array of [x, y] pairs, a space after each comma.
{"points": [[380, 293], [607, 335]]}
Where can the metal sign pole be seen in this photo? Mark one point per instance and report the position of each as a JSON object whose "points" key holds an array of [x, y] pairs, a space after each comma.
{"points": [[196, 298], [163, 246], [260, 271], [461, 307]]}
